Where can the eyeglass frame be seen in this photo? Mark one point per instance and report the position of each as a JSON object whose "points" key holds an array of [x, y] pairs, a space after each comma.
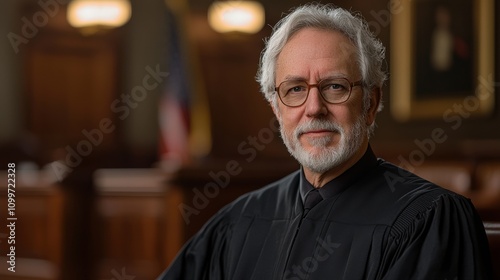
{"points": [[316, 85]]}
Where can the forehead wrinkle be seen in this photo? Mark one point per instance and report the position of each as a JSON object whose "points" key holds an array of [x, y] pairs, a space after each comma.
{"points": [[323, 77], [329, 58]]}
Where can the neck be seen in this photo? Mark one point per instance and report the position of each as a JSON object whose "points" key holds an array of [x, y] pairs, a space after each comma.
{"points": [[318, 180]]}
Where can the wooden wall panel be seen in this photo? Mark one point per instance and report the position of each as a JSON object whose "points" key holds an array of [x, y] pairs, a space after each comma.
{"points": [[71, 82]]}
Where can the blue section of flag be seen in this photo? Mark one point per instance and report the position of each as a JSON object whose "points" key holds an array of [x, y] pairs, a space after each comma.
{"points": [[176, 101], [178, 84]]}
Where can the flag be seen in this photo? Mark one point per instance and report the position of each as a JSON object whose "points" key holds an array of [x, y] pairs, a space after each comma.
{"points": [[184, 117]]}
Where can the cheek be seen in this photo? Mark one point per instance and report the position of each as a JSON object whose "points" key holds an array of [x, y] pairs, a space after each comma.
{"points": [[287, 126], [290, 120], [347, 116]]}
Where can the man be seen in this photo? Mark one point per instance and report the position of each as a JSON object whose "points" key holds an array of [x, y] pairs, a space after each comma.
{"points": [[344, 214]]}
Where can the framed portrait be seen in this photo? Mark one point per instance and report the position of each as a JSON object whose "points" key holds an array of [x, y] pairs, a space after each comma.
{"points": [[442, 52]]}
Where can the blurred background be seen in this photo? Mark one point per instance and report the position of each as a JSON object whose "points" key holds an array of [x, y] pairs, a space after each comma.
{"points": [[126, 137]]}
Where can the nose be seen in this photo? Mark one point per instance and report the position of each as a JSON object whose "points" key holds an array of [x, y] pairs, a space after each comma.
{"points": [[315, 104]]}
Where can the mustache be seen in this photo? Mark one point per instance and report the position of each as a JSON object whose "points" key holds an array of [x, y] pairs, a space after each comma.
{"points": [[317, 125]]}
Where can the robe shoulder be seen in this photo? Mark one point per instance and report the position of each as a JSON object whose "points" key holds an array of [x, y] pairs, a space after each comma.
{"points": [[201, 256], [392, 196], [272, 201], [432, 233]]}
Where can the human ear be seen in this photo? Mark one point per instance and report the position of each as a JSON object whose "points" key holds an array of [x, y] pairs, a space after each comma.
{"points": [[375, 99], [276, 110]]}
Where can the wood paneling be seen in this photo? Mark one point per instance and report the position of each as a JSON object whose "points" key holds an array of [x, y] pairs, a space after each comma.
{"points": [[70, 84]]}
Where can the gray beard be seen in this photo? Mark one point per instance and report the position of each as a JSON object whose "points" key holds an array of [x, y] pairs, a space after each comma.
{"points": [[328, 157]]}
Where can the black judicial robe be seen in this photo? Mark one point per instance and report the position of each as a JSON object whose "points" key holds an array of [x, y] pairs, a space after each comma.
{"points": [[380, 222]]}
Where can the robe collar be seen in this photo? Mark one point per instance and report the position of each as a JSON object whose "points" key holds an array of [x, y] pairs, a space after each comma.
{"points": [[363, 166]]}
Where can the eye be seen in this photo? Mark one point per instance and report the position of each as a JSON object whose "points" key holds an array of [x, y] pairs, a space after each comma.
{"points": [[332, 86], [336, 85], [295, 88]]}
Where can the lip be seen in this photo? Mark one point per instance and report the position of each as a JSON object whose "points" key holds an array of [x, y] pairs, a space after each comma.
{"points": [[317, 132]]}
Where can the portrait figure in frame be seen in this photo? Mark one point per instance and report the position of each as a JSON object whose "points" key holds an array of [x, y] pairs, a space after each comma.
{"points": [[444, 48]]}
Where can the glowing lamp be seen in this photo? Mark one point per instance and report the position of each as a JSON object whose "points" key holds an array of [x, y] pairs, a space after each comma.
{"points": [[240, 16], [108, 13]]}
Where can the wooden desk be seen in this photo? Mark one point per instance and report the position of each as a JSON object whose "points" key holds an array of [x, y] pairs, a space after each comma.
{"points": [[132, 230], [38, 228]]}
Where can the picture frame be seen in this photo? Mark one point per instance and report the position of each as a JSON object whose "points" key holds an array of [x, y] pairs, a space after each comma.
{"points": [[442, 52]]}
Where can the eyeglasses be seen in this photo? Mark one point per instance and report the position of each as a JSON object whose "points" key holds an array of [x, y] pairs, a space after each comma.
{"points": [[294, 93]]}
